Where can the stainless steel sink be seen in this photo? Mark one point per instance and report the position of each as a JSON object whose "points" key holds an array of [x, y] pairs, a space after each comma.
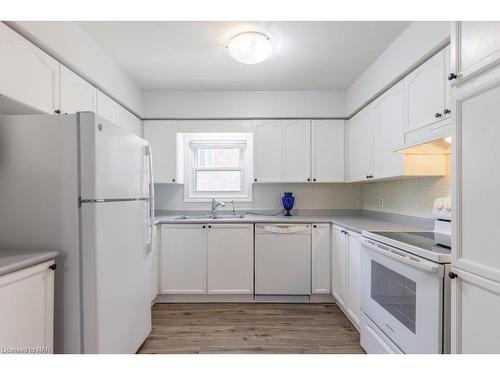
{"points": [[209, 217]]}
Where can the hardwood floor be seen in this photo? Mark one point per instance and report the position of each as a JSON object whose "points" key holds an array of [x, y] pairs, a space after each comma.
{"points": [[250, 328]]}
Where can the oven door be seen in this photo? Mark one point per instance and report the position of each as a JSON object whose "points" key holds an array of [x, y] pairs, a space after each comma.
{"points": [[403, 297]]}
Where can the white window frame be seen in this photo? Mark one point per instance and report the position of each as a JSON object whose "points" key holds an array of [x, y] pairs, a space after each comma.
{"points": [[194, 141]]}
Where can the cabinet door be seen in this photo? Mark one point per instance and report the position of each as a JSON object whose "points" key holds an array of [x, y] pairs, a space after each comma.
{"points": [[477, 179], [230, 258], [339, 265], [353, 304], [162, 136], [327, 150], [27, 74], [475, 311], [360, 135], [76, 94], [321, 259], [296, 150], [476, 47], [183, 259], [425, 93], [154, 257], [27, 313], [388, 123], [114, 112], [267, 150]]}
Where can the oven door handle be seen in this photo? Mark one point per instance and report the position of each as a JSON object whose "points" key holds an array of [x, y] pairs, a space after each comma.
{"points": [[421, 264]]}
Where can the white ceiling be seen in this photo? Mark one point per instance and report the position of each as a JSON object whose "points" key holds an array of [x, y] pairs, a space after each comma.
{"points": [[192, 55]]}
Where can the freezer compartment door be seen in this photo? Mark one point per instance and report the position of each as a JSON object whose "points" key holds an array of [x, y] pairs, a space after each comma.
{"points": [[116, 276], [114, 163]]}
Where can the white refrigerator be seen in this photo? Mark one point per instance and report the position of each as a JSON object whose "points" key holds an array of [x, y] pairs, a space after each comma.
{"points": [[83, 186]]}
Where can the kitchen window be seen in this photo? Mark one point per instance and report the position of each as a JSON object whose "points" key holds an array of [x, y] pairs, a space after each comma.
{"points": [[217, 166]]}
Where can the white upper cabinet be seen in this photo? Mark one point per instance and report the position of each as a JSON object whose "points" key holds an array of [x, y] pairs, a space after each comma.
{"points": [[27, 74], [230, 258], [76, 94], [162, 137], [360, 146], [114, 112], [268, 150], [296, 150], [327, 150], [425, 93], [388, 112], [321, 253], [475, 48]]}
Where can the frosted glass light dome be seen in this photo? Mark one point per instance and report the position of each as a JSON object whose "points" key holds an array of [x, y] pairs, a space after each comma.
{"points": [[250, 47]]}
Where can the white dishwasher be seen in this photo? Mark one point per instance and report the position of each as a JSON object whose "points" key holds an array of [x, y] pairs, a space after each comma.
{"points": [[282, 259]]}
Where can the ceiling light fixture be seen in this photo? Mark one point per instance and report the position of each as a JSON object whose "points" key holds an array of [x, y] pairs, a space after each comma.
{"points": [[250, 47]]}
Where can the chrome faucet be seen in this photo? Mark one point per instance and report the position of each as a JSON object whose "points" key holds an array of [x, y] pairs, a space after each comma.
{"points": [[216, 203]]}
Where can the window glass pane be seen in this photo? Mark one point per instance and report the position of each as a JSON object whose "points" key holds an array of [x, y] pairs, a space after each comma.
{"points": [[395, 293], [219, 157], [218, 181]]}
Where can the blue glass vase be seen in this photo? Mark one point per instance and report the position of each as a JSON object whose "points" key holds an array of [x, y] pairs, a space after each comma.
{"points": [[288, 201]]}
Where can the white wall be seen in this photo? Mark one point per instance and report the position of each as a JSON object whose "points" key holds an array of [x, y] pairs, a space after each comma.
{"points": [[268, 196], [220, 104], [414, 44], [73, 47], [412, 196]]}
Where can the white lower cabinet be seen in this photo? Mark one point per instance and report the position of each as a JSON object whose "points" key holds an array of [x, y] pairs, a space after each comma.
{"points": [[207, 259], [154, 258], [27, 313], [183, 259], [320, 259], [230, 258], [346, 260]]}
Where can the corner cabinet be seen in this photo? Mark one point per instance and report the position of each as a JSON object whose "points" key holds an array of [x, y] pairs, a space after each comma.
{"points": [[207, 259], [346, 261], [327, 150], [27, 313], [162, 137], [27, 74]]}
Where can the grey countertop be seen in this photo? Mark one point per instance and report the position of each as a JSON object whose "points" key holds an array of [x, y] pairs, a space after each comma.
{"points": [[354, 222], [15, 260]]}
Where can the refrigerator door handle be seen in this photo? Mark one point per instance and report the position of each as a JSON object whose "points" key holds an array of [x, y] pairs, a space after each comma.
{"points": [[151, 198]]}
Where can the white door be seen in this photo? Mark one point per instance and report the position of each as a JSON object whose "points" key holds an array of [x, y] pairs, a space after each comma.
{"points": [[268, 151], [183, 259], [230, 258], [339, 264], [327, 150], [475, 255], [321, 253], [475, 312], [360, 130], [162, 137], [353, 304], [388, 123], [296, 150], [475, 47], [27, 74], [116, 276], [113, 162], [76, 94], [425, 93], [27, 313]]}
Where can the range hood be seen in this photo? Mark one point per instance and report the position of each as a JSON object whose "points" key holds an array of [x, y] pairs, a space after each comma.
{"points": [[441, 146]]}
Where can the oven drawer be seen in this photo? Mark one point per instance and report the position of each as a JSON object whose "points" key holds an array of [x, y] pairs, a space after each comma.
{"points": [[373, 340]]}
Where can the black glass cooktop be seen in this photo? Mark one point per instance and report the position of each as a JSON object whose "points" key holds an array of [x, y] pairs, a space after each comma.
{"points": [[425, 240]]}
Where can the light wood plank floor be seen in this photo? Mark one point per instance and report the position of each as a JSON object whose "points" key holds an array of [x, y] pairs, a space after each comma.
{"points": [[250, 328]]}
